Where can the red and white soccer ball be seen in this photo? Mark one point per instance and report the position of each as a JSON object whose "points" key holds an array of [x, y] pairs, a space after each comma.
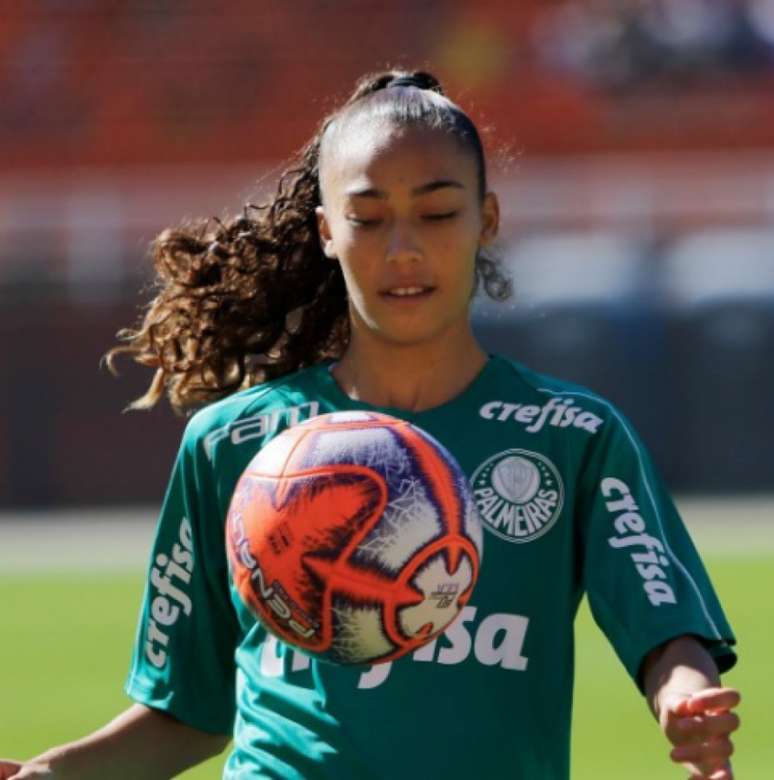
{"points": [[354, 536]]}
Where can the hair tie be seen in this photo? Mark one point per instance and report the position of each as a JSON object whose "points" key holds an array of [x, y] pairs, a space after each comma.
{"points": [[406, 81]]}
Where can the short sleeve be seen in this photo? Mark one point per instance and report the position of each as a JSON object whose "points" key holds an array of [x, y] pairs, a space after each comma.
{"points": [[183, 659], [645, 581]]}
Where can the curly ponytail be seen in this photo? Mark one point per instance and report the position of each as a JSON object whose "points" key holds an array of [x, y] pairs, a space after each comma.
{"points": [[253, 298]]}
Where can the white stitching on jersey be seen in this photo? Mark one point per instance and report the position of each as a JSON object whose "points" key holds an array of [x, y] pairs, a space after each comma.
{"points": [[678, 563]]}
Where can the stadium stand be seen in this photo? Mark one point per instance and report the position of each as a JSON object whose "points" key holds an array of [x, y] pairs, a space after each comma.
{"points": [[720, 326]]}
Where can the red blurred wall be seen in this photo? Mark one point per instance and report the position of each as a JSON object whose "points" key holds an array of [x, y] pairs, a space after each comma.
{"points": [[116, 84]]}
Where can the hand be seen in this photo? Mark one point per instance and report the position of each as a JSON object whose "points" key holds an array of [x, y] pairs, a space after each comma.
{"points": [[13, 770], [699, 725]]}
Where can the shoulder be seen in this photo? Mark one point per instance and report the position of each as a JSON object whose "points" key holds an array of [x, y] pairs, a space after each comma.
{"points": [[546, 385], [289, 395], [556, 402]]}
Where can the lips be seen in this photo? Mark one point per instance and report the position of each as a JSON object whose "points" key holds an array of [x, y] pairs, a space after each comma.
{"points": [[407, 291]]}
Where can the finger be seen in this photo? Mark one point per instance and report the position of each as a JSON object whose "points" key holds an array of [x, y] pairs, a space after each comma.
{"points": [[705, 754], [709, 700], [724, 773], [703, 727], [8, 769]]}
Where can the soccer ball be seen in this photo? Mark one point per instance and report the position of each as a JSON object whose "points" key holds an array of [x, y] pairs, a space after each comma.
{"points": [[354, 536]]}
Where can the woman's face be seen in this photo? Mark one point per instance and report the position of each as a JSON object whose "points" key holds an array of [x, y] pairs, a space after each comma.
{"points": [[401, 213]]}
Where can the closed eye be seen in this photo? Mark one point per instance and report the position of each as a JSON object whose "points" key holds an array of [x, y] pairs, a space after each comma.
{"points": [[430, 217], [438, 217]]}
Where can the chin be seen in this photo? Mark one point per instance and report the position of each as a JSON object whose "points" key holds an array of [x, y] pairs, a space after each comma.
{"points": [[413, 331], [412, 337]]}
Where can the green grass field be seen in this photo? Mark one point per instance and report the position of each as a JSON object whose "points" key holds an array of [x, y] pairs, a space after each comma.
{"points": [[66, 640]]}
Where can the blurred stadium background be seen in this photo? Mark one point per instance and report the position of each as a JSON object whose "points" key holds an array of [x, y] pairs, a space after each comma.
{"points": [[638, 202], [631, 142]]}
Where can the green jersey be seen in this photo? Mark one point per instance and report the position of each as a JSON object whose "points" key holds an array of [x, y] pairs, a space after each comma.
{"points": [[570, 504]]}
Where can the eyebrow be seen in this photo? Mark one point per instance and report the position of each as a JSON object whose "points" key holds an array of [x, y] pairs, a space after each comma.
{"points": [[422, 189]]}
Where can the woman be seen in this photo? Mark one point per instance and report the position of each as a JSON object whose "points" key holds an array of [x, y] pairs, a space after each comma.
{"points": [[351, 291]]}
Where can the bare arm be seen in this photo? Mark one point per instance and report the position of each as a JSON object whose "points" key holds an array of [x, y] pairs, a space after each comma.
{"points": [[683, 689], [140, 742]]}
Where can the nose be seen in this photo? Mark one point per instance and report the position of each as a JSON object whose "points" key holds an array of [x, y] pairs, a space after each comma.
{"points": [[402, 246]]}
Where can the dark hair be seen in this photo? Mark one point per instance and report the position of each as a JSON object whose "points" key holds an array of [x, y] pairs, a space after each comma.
{"points": [[252, 298]]}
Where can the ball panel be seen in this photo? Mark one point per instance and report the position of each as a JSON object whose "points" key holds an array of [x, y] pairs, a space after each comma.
{"points": [[358, 635], [272, 457], [411, 518], [453, 492], [353, 415], [441, 590], [359, 418], [441, 474], [273, 538], [373, 447], [409, 522]]}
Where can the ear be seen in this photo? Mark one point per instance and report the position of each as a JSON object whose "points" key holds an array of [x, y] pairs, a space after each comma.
{"points": [[490, 219], [324, 229]]}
